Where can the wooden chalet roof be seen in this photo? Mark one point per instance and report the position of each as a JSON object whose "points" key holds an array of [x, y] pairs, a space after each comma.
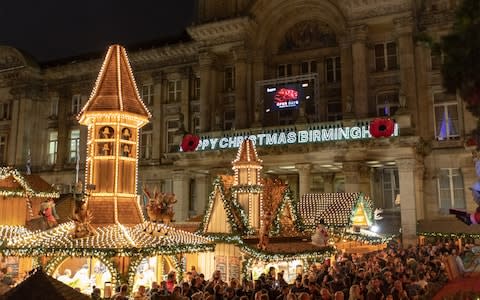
{"points": [[115, 89], [247, 154], [15, 184], [41, 286], [334, 208], [112, 240]]}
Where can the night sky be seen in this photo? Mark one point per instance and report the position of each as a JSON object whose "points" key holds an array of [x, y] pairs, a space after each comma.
{"points": [[52, 29]]}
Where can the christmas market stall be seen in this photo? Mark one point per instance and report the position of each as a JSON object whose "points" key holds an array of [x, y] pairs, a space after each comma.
{"points": [[255, 222]]}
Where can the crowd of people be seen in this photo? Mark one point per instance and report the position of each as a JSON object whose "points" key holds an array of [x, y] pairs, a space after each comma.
{"points": [[394, 273]]}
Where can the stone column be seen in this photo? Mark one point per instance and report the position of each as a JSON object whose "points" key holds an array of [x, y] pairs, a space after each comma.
{"points": [[403, 30], [408, 201], [202, 188], [347, 73], [328, 182], [258, 75], [156, 126], [422, 56], [13, 134], [63, 112], [181, 189], [359, 63], [206, 95], [351, 170], [364, 180], [241, 113], [304, 178]]}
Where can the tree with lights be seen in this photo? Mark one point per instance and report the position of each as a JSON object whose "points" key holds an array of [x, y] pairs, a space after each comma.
{"points": [[460, 73], [462, 61]]}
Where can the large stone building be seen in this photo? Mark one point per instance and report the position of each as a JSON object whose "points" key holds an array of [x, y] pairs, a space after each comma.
{"points": [[350, 61]]}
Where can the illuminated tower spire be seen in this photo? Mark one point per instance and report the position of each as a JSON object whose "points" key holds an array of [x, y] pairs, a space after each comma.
{"points": [[247, 167], [114, 114]]}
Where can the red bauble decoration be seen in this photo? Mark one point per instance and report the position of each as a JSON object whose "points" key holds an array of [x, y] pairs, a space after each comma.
{"points": [[382, 127], [190, 142]]}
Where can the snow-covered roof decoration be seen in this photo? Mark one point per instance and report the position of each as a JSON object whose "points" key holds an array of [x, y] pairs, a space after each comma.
{"points": [[336, 209]]}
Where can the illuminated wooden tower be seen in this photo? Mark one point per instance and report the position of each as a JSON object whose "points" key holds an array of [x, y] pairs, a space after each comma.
{"points": [[247, 181], [114, 115]]}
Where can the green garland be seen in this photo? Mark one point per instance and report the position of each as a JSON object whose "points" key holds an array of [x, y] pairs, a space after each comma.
{"points": [[229, 205], [258, 254], [146, 252], [29, 192], [288, 198], [462, 235]]}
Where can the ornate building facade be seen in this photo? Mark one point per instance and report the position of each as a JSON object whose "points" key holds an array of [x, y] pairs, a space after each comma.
{"points": [[350, 61]]}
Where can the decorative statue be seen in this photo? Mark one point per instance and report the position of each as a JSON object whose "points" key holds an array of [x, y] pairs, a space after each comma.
{"points": [[263, 238], [159, 207], [320, 237], [377, 214], [474, 217], [82, 218], [49, 213]]}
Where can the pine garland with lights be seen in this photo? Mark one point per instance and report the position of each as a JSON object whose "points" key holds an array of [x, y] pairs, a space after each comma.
{"points": [[27, 191], [230, 205], [288, 198], [450, 235]]}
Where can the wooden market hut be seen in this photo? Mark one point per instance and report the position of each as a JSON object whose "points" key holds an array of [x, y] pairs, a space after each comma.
{"points": [[21, 196], [39, 285]]}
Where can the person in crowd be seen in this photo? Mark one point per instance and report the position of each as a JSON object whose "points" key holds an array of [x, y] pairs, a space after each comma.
{"points": [[122, 294]]}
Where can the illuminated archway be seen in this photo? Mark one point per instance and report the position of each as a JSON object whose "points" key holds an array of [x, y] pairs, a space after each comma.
{"points": [[85, 268], [145, 270]]}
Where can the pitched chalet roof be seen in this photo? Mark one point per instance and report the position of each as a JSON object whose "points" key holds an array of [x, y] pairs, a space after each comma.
{"points": [[15, 184], [41, 286], [115, 89], [113, 239], [334, 208], [247, 154]]}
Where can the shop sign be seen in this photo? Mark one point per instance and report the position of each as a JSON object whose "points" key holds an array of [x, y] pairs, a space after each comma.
{"points": [[277, 138]]}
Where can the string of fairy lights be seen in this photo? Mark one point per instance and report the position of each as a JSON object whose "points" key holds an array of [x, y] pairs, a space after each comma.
{"points": [[26, 189]]}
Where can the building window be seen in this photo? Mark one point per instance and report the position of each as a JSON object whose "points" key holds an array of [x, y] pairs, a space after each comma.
{"points": [[174, 91], [3, 149], [76, 104], [284, 70], [52, 147], [333, 71], [196, 124], [446, 116], [386, 56], [390, 187], [229, 79], [308, 67], [228, 119], [74, 144], [146, 145], [196, 89], [334, 110], [54, 107], [437, 57], [172, 128], [5, 111], [387, 104], [147, 94], [450, 189]]}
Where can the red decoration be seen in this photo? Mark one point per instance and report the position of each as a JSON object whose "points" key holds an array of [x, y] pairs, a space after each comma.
{"points": [[190, 142], [382, 127], [284, 95]]}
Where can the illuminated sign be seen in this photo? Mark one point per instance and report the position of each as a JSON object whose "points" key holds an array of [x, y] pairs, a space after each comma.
{"points": [[289, 137]]}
